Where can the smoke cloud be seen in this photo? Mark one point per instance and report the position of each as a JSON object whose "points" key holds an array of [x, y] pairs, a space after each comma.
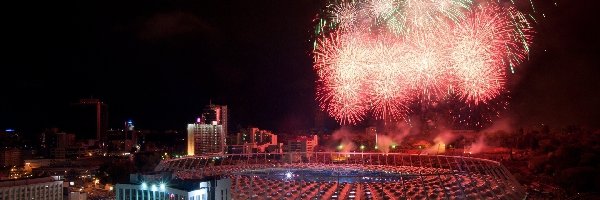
{"points": [[478, 146], [440, 141], [344, 135]]}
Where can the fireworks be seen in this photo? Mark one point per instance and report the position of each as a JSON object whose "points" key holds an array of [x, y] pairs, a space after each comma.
{"points": [[478, 53], [346, 15], [342, 78], [376, 56]]}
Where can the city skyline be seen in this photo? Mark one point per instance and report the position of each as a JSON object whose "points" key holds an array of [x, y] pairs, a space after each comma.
{"points": [[300, 99], [255, 62]]}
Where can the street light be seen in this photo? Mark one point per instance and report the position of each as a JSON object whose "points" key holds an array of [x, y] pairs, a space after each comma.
{"points": [[362, 150]]}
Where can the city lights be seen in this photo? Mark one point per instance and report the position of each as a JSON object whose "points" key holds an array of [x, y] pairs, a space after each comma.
{"points": [[333, 99]]}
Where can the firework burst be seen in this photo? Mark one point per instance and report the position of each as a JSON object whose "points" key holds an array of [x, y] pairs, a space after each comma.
{"points": [[379, 55], [346, 15], [388, 89], [342, 90], [478, 53]]}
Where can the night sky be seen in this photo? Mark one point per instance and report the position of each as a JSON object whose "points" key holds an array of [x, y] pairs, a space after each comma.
{"points": [[160, 62]]}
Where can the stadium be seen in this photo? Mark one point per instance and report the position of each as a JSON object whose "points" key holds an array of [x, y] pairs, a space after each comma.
{"points": [[335, 175]]}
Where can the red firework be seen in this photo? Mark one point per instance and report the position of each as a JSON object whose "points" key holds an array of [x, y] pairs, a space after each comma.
{"points": [[478, 53], [361, 70], [341, 78]]}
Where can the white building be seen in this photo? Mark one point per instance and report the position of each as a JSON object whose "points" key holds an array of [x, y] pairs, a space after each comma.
{"points": [[177, 190], [47, 188]]}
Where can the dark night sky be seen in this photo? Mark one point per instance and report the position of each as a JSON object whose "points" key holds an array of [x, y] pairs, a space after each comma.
{"points": [[159, 62]]}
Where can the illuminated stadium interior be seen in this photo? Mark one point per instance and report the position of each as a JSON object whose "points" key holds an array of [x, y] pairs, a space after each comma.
{"points": [[347, 175], [334, 175]]}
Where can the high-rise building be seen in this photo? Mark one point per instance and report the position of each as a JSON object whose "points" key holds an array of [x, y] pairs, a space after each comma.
{"points": [[215, 113], [91, 118], [131, 136], [205, 139], [124, 140], [55, 143], [208, 134]]}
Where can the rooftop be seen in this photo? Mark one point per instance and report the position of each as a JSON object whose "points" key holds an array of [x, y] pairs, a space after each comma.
{"points": [[26, 181]]}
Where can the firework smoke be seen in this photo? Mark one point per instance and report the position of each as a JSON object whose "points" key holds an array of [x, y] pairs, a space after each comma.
{"points": [[440, 142], [384, 143], [395, 137], [344, 136], [478, 146]]}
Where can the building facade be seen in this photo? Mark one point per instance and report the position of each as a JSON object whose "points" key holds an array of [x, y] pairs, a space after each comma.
{"points": [[11, 157], [254, 140], [47, 188], [208, 135], [304, 144], [206, 189], [205, 139], [215, 114]]}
